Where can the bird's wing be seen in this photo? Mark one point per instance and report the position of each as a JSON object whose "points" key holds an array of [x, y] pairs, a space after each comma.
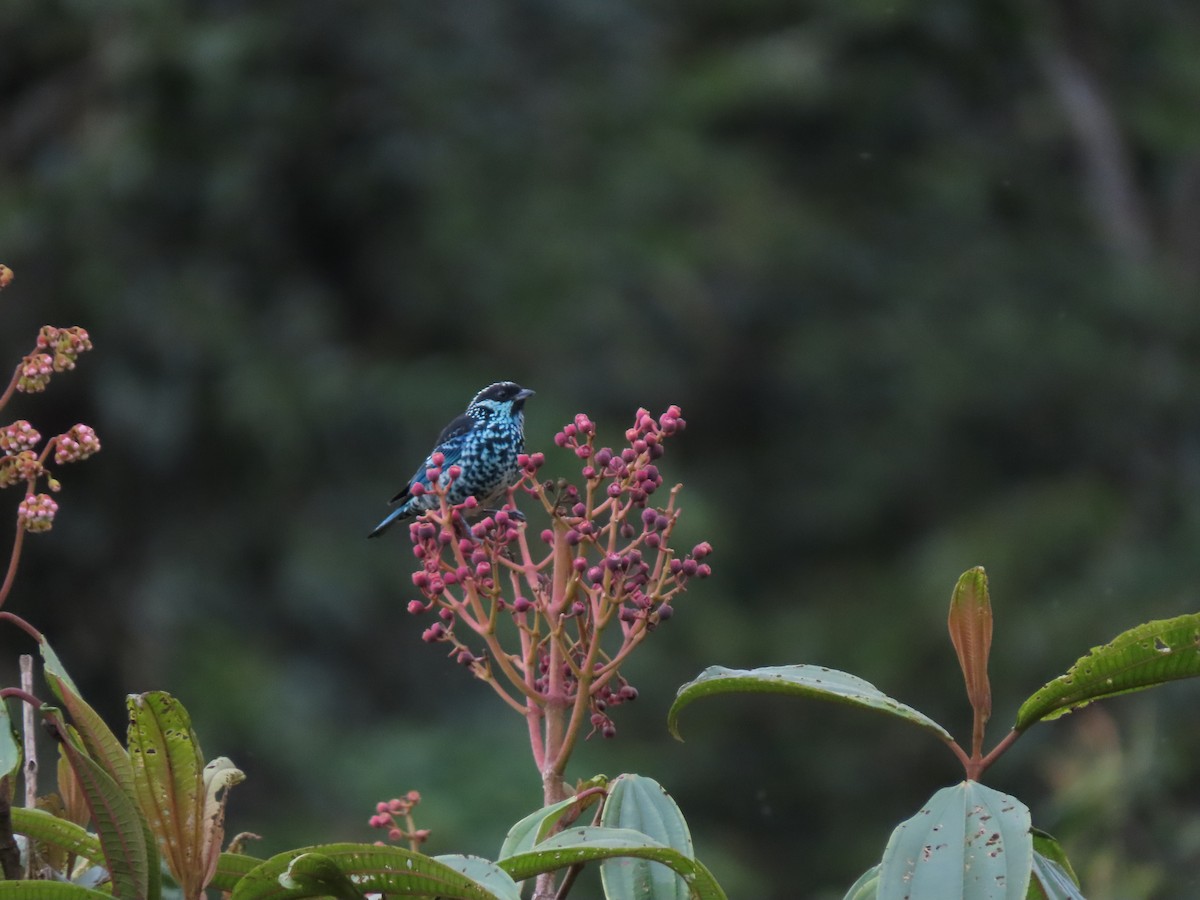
{"points": [[449, 444]]}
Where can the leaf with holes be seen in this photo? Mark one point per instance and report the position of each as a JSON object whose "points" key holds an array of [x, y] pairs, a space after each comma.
{"points": [[1142, 657], [182, 799], [968, 841]]}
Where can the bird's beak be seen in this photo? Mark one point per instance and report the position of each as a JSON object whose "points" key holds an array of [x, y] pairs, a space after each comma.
{"points": [[524, 394]]}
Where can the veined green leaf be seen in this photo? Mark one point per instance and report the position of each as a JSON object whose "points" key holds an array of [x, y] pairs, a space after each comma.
{"points": [[1143, 657], [371, 869], [582, 845], [640, 803], [230, 869], [181, 797], [48, 890], [816, 682], [169, 782], [43, 826], [968, 842], [123, 838], [98, 738]]}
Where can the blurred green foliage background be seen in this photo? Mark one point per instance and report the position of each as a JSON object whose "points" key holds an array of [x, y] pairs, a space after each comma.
{"points": [[922, 275]]}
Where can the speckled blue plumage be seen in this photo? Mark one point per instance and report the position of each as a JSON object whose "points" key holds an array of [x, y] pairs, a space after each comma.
{"points": [[484, 442]]}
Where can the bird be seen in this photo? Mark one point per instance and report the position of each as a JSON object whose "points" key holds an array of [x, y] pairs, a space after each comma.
{"points": [[484, 442]]}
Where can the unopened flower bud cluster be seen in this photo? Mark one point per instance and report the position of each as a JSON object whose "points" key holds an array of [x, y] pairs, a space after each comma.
{"points": [[387, 812], [20, 462]]}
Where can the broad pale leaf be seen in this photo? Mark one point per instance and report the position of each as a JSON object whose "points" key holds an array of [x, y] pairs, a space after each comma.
{"points": [[816, 682], [484, 872], [641, 804], [1143, 657], [968, 842], [10, 749]]}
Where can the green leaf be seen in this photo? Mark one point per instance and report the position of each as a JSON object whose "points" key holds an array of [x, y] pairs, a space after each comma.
{"points": [[1143, 657], [534, 827], [1052, 878], [49, 890], [1049, 847], [316, 874], [866, 887], [181, 797], [641, 804], [98, 738], [50, 829], [968, 841], [371, 869], [10, 747], [230, 869], [128, 853], [582, 845], [817, 682]]}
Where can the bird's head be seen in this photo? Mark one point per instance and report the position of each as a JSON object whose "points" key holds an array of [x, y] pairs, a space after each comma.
{"points": [[504, 398]]}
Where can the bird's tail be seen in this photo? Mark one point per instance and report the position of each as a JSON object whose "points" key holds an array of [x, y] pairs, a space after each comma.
{"points": [[388, 522]]}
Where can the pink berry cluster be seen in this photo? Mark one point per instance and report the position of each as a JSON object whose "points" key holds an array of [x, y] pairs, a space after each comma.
{"points": [[606, 578], [388, 811]]}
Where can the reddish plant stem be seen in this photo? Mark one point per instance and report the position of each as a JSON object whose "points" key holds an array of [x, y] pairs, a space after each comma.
{"points": [[13, 561], [21, 695], [23, 625], [12, 385]]}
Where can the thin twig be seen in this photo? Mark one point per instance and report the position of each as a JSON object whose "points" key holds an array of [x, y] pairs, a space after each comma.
{"points": [[30, 735]]}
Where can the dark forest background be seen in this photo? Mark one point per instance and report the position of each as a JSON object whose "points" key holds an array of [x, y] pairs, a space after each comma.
{"points": [[922, 276]]}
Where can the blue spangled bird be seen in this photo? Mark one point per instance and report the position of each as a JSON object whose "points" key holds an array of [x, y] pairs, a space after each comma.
{"points": [[484, 442]]}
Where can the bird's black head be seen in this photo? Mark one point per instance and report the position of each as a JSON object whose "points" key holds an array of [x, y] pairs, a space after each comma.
{"points": [[503, 398]]}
